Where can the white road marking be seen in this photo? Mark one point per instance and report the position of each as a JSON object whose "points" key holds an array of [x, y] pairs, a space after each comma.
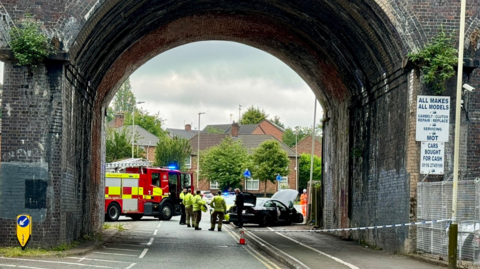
{"points": [[150, 242], [158, 226], [81, 260], [69, 263], [237, 237], [143, 253], [318, 251], [19, 266], [155, 233], [96, 260], [114, 254], [131, 266], [265, 244]]}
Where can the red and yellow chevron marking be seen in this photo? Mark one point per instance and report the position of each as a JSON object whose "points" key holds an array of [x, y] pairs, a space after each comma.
{"points": [[112, 192]]}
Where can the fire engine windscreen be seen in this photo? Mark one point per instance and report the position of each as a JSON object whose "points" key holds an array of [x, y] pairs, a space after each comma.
{"points": [[156, 179]]}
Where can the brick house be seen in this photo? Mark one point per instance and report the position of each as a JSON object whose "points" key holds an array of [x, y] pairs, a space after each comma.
{"points": [[264, 127], [250, 141], [146, 140], [305, 146]]}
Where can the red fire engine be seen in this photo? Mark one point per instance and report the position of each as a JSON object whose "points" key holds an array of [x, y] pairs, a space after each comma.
{"points": [[145, 191]]}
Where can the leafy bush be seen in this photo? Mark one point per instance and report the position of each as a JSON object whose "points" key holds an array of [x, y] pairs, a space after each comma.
{"points": [[437, 61], [28, 44]]}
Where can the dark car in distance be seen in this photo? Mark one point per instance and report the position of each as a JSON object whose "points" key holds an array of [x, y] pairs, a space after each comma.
{"points": [[278, 209]]}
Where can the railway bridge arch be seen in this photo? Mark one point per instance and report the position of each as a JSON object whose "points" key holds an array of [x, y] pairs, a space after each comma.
{"points": [[352, 54]]}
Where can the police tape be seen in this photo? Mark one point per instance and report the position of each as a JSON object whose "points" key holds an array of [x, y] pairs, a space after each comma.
{"points": [[361, 228]]}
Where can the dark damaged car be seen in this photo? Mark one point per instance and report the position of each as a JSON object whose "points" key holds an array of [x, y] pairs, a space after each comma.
{"points": [[277, 210]]}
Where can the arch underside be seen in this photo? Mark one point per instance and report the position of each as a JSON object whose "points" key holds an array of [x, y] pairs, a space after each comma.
{"points": [[340, 49]]}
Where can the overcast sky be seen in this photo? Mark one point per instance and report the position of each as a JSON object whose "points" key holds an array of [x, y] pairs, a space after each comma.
{"points": [[216, 77]]}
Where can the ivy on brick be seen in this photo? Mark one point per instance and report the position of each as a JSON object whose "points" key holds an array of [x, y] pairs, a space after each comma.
{"points": [[28, 44], [437, 61]]}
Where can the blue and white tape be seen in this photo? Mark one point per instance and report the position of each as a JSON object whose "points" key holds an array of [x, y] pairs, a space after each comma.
{"points": [[361, 228]]}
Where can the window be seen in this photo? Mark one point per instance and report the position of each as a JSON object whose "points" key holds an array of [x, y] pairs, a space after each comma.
{"points": [[283, 184], [214, 185], [188, 162], [156, 179], [186, 179], [253, 184]]}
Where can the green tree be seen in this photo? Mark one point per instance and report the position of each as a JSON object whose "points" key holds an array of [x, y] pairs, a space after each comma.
{"points": [[304, 169], [213, 130], [288, 136], [277, 121], [172, 151], [124, 100], [110, 114], [225, 163], [269, 161], [253, 116], [151, 123], [119, 145]]}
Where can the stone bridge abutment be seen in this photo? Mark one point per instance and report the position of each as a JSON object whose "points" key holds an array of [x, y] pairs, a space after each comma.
{"points": [[351, 54]]}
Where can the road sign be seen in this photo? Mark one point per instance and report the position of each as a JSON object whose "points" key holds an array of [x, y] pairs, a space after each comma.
{"points": [[432, 158], [433, 120], [24, 229], [247, 173], [278, 177]]}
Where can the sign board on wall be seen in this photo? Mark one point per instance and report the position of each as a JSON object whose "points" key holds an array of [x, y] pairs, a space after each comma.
{"points": [[433, 118], [432, 158]]}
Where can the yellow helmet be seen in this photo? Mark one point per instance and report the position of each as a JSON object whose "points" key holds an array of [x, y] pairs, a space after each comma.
{"points": [[227, 217]]}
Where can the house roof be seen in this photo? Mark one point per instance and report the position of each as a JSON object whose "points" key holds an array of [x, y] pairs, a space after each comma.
{"points": [[181, 133], [206, 141], [253, 141], [227, 128], [249, 141], [145, 138]]}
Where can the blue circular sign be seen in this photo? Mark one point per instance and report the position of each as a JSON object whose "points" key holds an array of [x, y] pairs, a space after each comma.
{"points": [[247, 173], [23, 221], [279, 177]]}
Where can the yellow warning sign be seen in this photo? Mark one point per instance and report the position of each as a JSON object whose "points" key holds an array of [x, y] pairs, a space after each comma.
{"points": [[24, 229]]}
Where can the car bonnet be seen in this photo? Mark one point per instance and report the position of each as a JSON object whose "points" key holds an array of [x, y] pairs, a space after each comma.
{"points": [[285, 196]]}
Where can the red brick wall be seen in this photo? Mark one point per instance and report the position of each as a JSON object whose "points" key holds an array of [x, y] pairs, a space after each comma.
{"points": [[265, 127], [305, 146]]}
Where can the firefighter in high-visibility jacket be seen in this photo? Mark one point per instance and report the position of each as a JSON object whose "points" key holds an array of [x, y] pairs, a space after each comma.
{"points": [[182, 207], [197, 209], [187, 202], [219, 209], [304, 201]]}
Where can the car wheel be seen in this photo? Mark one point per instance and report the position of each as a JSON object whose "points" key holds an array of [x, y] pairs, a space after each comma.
{"points": [[113, 212], [299, 218], [167, 212], [265, 221]]}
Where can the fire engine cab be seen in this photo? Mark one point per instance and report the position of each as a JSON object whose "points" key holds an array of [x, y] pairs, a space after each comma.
{"points": [[145, 191]]}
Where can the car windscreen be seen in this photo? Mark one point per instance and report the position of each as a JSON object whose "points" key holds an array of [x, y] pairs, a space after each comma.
{"points": [[261, 202]]}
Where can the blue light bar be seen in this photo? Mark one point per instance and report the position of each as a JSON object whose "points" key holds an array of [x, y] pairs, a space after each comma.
{"points": [[172, 167]]}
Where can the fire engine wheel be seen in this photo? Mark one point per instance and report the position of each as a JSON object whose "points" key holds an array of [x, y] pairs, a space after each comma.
{"points": [[167, 212], [113, 212]]}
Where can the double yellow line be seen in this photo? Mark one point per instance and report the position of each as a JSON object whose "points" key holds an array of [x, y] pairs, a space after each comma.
{"points": [[264, 260]]}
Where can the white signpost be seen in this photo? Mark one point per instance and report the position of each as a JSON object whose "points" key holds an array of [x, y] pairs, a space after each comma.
{"points": [[432, 158], [433, 118]]}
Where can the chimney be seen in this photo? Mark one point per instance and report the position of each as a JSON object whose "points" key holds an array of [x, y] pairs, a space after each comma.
{"points": [[234, 129], [188, 127], [119, 118]]}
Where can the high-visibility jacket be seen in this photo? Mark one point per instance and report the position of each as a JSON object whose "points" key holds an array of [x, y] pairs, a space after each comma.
{"points": [[182, 195], [303, 199], [187, 199], [218, 204], [197, 202]]}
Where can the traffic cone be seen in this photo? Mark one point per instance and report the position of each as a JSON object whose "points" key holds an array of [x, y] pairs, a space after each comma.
{"points": [[242, 238]]}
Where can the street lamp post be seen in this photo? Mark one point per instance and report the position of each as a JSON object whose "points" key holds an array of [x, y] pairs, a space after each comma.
{"points": [[133, 125], [296, 158], [198, 148]]}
